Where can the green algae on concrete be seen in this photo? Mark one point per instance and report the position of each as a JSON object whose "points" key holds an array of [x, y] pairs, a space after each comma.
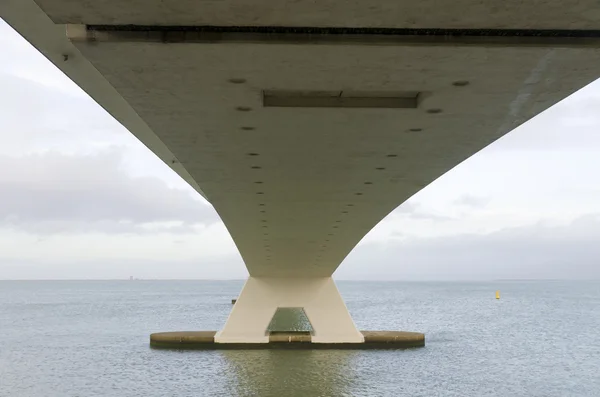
{"points": [[286, 340]]}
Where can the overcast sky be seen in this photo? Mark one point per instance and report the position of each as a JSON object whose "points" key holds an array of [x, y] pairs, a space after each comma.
{"points": [[81, 198]]}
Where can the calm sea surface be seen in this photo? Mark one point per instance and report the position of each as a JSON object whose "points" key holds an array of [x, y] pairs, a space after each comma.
{"points": [[90, 338]]}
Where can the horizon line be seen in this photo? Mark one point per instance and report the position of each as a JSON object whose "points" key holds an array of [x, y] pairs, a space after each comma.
{"points": [[344, 279]]}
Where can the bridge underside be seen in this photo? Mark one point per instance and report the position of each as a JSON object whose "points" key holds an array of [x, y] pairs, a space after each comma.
{"points": [[303, 138]]}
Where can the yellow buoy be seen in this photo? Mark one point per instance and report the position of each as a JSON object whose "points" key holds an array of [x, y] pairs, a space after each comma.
{"points": [[497, 294]]}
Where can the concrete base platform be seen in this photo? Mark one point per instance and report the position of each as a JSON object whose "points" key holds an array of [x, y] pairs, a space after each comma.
{"points": [[206, 340]]}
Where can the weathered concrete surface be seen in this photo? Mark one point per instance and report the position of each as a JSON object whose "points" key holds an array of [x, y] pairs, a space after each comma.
{"points": [[182, 338], [205, 340], [298, 188], [394, 337]]}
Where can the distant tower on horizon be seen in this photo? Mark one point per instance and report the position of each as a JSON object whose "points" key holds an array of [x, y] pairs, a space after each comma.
{"points": [[130, 278]]}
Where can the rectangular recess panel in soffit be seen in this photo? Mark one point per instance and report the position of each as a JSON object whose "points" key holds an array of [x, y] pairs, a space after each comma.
{"points": [[341, 99]]}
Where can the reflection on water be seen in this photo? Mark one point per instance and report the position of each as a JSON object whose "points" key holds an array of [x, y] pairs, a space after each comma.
{"points": [[290, 319], [290, 372]]}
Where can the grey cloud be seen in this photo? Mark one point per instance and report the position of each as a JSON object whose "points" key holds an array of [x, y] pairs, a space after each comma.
{"points": [[36, 116], [416, 211], [406, 208], [52, 192], [472, 201], [424, 215], [533, 252]]}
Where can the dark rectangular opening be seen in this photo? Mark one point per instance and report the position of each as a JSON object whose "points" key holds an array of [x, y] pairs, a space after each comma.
{"points": [[341, 99], [289, 321]]}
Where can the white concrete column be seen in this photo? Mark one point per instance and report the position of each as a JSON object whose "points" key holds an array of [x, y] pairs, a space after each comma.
{"points": [[261, 296]]}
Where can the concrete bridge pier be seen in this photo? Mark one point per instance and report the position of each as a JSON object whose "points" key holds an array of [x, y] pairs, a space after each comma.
{"points": [[262, 296], [306, 125]]}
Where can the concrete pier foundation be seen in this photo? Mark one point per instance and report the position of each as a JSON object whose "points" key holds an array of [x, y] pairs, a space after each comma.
{"points": [[205, 340]]}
